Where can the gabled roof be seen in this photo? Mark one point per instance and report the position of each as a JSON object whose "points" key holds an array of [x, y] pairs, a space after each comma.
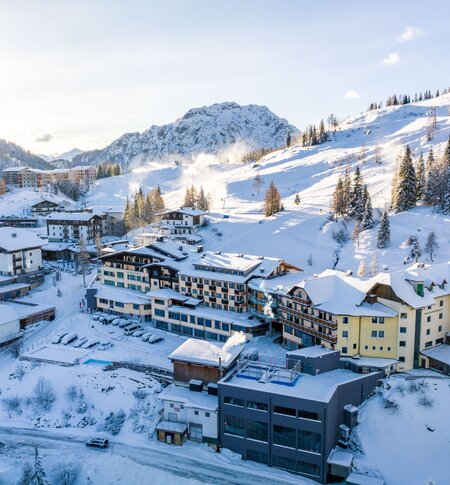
{"points": [[7, 314], [184, 210], [72, 216], [16, 239]]}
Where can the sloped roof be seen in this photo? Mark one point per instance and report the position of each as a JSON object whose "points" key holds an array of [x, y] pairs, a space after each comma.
{"points": [[7, 314], [16, 239]]}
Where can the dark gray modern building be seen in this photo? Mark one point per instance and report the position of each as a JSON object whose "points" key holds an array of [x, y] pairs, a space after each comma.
{"points": [[292, 415]]}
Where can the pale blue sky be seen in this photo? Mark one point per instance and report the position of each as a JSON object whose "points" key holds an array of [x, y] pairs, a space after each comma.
{"points": [[85, 72]]}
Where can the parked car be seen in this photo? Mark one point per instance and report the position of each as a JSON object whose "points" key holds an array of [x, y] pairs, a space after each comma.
{"points": [[116, 321], [98, 442], [138, 333], [109, 319], [105, 345], [131, 329], [70, 337], [97, 315], [80, 342], [146, 336], [125, 323], [57, 339], [89, 344], [154, 339]]}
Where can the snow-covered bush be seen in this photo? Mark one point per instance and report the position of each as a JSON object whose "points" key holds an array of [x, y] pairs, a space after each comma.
{"points": [[425, 400], [114, 422], [390, 404], [27, 474], [44, 394], [66, 416], [64, 474], [12, 404], [19, 372], [140, 394], [72, 392]]}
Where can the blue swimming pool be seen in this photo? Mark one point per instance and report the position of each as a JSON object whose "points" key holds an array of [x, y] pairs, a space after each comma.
{"points": [[97, 362]]}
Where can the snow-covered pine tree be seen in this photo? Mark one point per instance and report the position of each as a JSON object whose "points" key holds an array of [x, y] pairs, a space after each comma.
{"points": [[431, 245], [39, 477], [416, 250], [432, 183], [421, 180], [394, 183], [356, 206], [446, 197], [347, 188], [367, 220], [202, 201], [384, 231], [406, 188]]}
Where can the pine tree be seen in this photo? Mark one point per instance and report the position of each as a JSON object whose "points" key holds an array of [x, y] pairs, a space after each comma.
{"points": [[346, 190], [338, 205], [356, 206], [420, 178], [40, 477], [272, 203], [431, 245], [288, 140], [127, 215], [446, 197], [432, 182], [356, 232], [416, 250], [406, 185], [384, 231], [367, 220], [202, 201]]}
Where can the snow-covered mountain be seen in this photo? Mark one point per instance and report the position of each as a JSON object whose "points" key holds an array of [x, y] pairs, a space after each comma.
{"points": [[373, 140], [211, 129], [12, 155]]}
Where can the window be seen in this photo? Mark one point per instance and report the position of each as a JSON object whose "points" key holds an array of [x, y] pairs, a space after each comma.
{"points": [[207, 415], [403, 316], [283, 410], [309, 415], [257, 456], [159, 312], [354, 346], [402, 343], [439, 341], [429, 319], [378, 333], [308, 468], [282, 462], [159, 302], [288, 330], [344, 319], [345, 334], [196, 412], [440, 328], [377, 319], [261, 406], [257, 430], [366, 347], [401, 359], [428, 331], [389, 349], [234, 401], [308, 441], [441, 303], [344, 350], [283, 436], [234, 425], [402, 329], [441, 315], [119, 304], [429, 344]]}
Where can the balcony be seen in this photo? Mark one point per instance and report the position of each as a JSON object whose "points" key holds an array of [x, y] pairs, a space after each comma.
{"points": [[332, 339], [310, 318], [302, 301]]}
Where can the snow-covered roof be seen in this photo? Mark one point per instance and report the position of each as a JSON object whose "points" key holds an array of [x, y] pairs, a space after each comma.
{"points": [[16, 239], [320, 387], [280, 284], [340, 457], [122, 295], [436, 279], [190, 399], [440, 353], [169, 294], [7, 314], [314, 351], [184, 210], [14, 169], [360, 479], [376, 362], [171, 427], [336, 293], [229, 261], [206, 353], [71, 216], [168, 248]]}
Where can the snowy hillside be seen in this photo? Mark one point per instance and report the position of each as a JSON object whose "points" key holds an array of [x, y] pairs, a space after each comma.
{"points": [[12, 155], [19, 201], [211, 129], [312, 173]]}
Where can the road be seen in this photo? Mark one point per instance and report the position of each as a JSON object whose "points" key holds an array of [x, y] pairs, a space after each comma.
{"points": [[161, 458]]}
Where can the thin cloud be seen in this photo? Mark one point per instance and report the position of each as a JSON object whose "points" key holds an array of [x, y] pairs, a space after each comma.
{"points": [[45, 138], [351, 94], [410, 33], [392, 59]]}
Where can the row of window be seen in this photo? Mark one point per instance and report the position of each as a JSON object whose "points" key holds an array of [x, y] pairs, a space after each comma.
{"points": [[188, 331], [300, 413], [204, 322], [281, 435]]}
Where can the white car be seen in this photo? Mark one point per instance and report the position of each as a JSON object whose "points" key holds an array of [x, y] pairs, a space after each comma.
{"points": [[146, 336], [125, 323], [57, 339], [89, 344], [69, 338], [154, 339], [80, 342], [96, 315], [138, 333]]}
